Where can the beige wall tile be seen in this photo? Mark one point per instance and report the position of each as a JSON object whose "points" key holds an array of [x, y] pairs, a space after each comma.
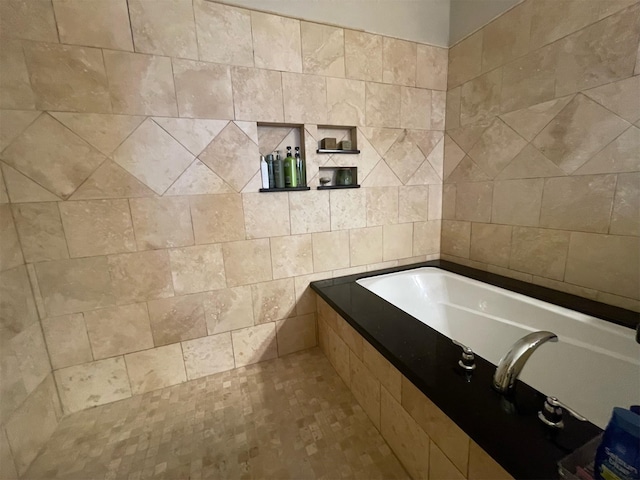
{"points": [[247, 262], [348, 209], [483, 467], [15, 88], [309, 212], [381, 176], [490, 243], [28, 20], [539, 251], [619, 97], [330, 250], [140, 84], [339, 355], [76, 285], [399, 59], [322, 49], [383, 105], [217, 218], [431, 67], [198, 179], [507, 37], [382, 370], [497, 146], [92, 384], [480, 98], [141, 276], [578, 203], [67, 340], [605, 262], [435, 202], [426, 237], [365, 245], [224, 33], [452, 112], [565, 287], [517, 202], [7, 465], [456, 238], [118, 330], [228, 309], [465, 60], [97, 227], [193, 134], [21, 189], [366, 388], [440, 466], [208, 355], [530, 163], [31, 354], [625, 218], [10, 251], [349, 336], [53, 156], [177, 319], [291, 256], [345, 101], [568, 17], [254, 344], [162, 222], [363, 55], [473, 201], [438, 110], [164, 27], [67, 78], [197, 269], [14, 122], [18, 306], [449, 202], [266, 218], [397, 241], [305, 98], [407, 440], [273, 300], [156, 368], [529, 121], [94, 23], [111, 181], [276, 42], [296, 333], [415, 108], [257, 94], [305, 297], [203, 89], [618, 156], [382, 205]]}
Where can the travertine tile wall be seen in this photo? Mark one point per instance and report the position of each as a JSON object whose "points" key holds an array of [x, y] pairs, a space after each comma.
{"points": [[542, 148], [130, 149]]}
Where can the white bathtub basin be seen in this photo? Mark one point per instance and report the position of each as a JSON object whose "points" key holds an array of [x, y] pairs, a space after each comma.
{"points": [[594, 366]]}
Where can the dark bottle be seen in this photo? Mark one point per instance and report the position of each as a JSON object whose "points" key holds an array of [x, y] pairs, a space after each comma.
{"points": [[302, 170], [290, 170], [272, 178], [278, 171]]}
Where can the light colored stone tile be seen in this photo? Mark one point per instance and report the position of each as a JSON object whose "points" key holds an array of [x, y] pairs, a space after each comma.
{"points": [[517, 202], [296, 333], [465, 60], [449, 202], [338, 354], [273, 300], [397, 241], [440, 466], [415, 108], [452, 113], [349, 336], [473, 201], [110, 180], [153, 157], [31, 354], [164, 27], [217, 218], [233, 156], [365, 388], [348, 209], [618, 301], [625, 218], [228, 309], [92, 384], [162, 222], [97, 227], [413, 203], [305, 98], [438, 110], [322, 49], [141, 276], [276, 42], [198, 179], [291, 256], [266, 218], [490, 243], [399, 59], [453, 155], [193, 134], [382, 370], [67, 340], [467, 136], [197, 269], [383, 105], [305, 297], [363, 56], [530, 163], [76, 285], [10, 251], [28, 20], [94, 23], [381, 176], [405, 437], [247, 262], [67, 78], [203, 89], [140, 84], [507, 37], [345, 101], [619, 156], [53, 156], [257, 94], [309, 212], [119, 330], [578, 203], [15, 87], [568, 15], [426, 237], [7, 465], [21, 189], [566, 287], [608, 263], [620, 97], [483, 467], [480, 98], [14, 122], [156, 368], [431, 67], [539, 251], [330, 250], [529, 121], [382, 205], [254, 344], [208, 355], [467, 171], [456, 238], [365, 245], [495, 149], [18, 307], [176, 319]]}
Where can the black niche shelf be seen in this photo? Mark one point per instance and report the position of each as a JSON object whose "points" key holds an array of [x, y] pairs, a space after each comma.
{"points": [[287, 189], [346, 152], [336, 187]]}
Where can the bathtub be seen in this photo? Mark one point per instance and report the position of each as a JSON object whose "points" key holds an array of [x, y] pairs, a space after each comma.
{"points": [[594, 366]]}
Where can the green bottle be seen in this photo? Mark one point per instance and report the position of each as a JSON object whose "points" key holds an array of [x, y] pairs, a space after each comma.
{"points": [[290, 170], [300, 166]]}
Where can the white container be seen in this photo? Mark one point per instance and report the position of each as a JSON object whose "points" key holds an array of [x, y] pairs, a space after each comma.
{"points": [[264, 172]]}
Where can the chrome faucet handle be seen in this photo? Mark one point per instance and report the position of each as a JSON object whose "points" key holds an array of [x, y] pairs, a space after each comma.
{"points": [[551, 413], [468, 361]]}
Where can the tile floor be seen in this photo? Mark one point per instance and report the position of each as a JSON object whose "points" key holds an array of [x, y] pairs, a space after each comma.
{"points": [[288, 418]]}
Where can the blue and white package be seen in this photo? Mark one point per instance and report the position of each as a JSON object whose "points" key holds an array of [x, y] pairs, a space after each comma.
{"points": [[618, 456]]}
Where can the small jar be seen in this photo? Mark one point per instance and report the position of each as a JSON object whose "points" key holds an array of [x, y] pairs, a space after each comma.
{"points": [[344, 177]]}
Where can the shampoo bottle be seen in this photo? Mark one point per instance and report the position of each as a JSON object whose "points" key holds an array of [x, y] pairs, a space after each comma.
{"points": [[301, 167], [290, 170], [264, 172], [278, 171]]}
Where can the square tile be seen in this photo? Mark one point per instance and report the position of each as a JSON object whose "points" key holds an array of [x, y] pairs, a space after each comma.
{"points": [[539, 251], [296, 333], [517, 202], [382, 205], [365, 245], [291, 256], [397, 241], [276, 42], [431, 67], [228, 309], [197, 269], [28, 20], [155, 368], [322, 49], [305, 98], [247, 262], [383, 105], [254, 344], [309, 212], [67, 340], [363, 55], [217, 218], [15, 91], [141, 276], [257, 94], [266, 218], [208, 355], [177, 319], [330, 250], [490, 244], [348, 208], [162, 222], [399, 59], [273, 300], [203, 89], [345, 101], [10, 251]]}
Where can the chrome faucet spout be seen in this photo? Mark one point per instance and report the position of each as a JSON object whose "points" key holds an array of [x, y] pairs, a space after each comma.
{"points": [[511, 364]]}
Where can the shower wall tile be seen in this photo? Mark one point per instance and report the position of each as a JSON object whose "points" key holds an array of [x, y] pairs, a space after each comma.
{"points": [[67, 340], [473, 201], [217, 218], [203, 90], [247, 262], [330, 250], [465, 60], [156, 368], [296, 333], [365, 388], [197, 269], [15, 88], [539, 251], [177, 318], [28, 20], [490, 243], [257, 94], [383, 105], [18, 306], [397, 241], [426, 237], [625, 218], [365, 245], [273, 300], [254, 344], [228, 309], [140, 276], [345, 101], [291, 256], [415, 108], [276, 42], [162, 222], [399, 59], [266, 219], [507, 37], [208, 355], [309, 212], [322, 49], [305, 98], [480, 98], [431, 67], [517, 202], [10, 251], [363, 55]]}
